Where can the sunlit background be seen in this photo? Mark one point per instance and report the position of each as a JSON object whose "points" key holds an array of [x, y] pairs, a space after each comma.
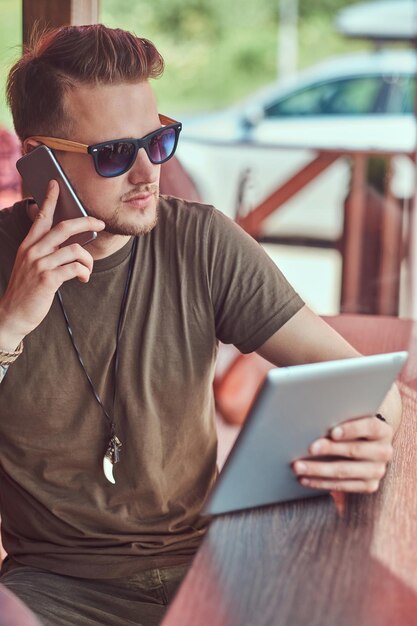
{"points": [[220, 53], [216, 51]]}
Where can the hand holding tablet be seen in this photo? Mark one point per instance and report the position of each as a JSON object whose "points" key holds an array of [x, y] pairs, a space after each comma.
{"points": [[295, 411]]}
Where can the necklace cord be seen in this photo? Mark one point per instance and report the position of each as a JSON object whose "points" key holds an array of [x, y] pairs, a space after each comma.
{"points": [[119, 330]]}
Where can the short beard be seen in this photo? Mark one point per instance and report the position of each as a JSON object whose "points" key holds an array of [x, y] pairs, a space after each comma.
{"points": [[115, 227], [115, 224]]}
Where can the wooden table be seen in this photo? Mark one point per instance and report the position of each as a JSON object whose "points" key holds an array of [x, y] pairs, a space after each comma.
{"points": [[320, 562], [13, 612]]}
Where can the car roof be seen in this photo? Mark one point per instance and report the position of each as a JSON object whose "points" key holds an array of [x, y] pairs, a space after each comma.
{"points": [[380, 62], [383, 20]]}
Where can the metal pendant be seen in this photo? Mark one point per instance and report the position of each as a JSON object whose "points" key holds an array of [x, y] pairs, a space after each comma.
{"points": [[111, 457]]}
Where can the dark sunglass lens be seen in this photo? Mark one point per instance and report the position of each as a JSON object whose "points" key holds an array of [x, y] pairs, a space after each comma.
{"points": [[162, 145], [115, 158]]}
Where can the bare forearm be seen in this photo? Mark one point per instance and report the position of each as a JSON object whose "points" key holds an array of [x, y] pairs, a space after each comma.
{"points": [[10, 337], [306, 338]]}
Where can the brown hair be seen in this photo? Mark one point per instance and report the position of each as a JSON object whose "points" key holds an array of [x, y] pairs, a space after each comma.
{"points": [[59, 59]]}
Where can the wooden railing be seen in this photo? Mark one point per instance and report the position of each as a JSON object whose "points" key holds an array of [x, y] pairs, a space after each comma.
{"points": [[375, 237]]}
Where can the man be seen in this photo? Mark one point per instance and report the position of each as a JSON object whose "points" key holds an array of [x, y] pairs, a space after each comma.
{"points": [[119, 363]]}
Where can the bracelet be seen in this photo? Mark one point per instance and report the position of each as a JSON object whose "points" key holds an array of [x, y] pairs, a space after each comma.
{"points": [[381, 417], [7, 357]]}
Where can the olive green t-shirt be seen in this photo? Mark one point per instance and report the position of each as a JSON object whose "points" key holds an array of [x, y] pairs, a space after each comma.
{"points": [[197, 279]]}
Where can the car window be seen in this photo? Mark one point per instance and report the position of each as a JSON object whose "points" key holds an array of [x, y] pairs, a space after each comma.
{"points": [[402, 94], [356, 96]]}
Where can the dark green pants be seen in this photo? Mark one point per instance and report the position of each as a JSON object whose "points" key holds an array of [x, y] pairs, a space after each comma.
{"points": [[139, 600]]}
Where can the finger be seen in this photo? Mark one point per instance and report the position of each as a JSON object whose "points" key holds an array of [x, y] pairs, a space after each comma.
{"points": [[74, 270], [340, 470], [63, 231], [357, 449], [53, 279], [64, 255], [349, 486], [364, 428], [44, 218]]}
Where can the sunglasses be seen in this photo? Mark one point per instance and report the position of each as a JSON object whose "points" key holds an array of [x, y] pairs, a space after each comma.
{"points": [[115, 157]]}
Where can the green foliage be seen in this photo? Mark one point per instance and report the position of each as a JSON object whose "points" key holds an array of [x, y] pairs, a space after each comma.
{"points": [[179, 19], [216, 51], [313, 7], [10, 48]]}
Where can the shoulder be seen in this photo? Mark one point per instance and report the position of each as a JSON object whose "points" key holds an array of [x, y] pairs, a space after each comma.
{"points": [[173, 208], [182, 220], [14, 226], [14, 221], [186, 213]]}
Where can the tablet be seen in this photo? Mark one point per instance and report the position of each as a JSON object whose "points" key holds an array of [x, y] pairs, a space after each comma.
{"points": [[295, 406]]}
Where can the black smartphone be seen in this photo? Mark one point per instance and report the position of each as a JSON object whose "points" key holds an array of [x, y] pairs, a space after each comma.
{"points": [[37, 168]]}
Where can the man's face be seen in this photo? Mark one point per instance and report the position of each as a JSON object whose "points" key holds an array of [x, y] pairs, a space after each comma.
{"points": [[126, 203]]}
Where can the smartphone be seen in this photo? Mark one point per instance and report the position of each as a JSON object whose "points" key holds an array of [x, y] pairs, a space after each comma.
{"points": [[37, 168]]}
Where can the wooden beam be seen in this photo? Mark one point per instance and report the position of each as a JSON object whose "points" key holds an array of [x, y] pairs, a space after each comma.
{"points": [[85, 11], [54, 13], [391, 253], [302, 241], [252, 222], [353, 237], [44, 13]]}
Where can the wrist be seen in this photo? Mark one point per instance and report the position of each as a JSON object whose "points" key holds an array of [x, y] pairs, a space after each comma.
{"points": [[7, 357], [10, 336], [9, 342]]}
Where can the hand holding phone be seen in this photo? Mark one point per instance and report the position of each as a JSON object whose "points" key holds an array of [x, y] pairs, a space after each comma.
{"points": [[37, 168], [43, 263]]}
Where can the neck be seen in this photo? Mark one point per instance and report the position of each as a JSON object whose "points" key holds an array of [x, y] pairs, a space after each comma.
{"points": [[106, 244]]}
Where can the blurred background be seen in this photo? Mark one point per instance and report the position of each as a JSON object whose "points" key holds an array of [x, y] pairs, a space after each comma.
{"points": [[298, 122], [216, 51]]}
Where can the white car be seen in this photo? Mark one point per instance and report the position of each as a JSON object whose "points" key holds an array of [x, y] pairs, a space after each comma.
{"points": [[380, 20], [237, 156]]}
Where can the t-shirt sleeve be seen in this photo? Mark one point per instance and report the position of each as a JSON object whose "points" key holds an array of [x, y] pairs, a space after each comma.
{"points": [[251, 297]]}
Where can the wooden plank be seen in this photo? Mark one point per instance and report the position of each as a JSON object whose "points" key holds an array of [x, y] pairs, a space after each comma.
{"points": [[412, 264], [302, 241], [353, 238], [252, 222], [85, 11], [319, 562], [44, 13], [54, 13], [391, 252]]}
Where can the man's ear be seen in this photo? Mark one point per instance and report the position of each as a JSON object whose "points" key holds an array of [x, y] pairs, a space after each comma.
{"points": [[29, 145]]}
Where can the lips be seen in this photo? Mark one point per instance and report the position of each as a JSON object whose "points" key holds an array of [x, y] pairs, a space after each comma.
{"points": [[142, 195], [138, 197], [139, 201]]}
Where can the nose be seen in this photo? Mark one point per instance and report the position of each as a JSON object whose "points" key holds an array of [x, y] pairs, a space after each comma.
{"points": [[142, 170]]}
